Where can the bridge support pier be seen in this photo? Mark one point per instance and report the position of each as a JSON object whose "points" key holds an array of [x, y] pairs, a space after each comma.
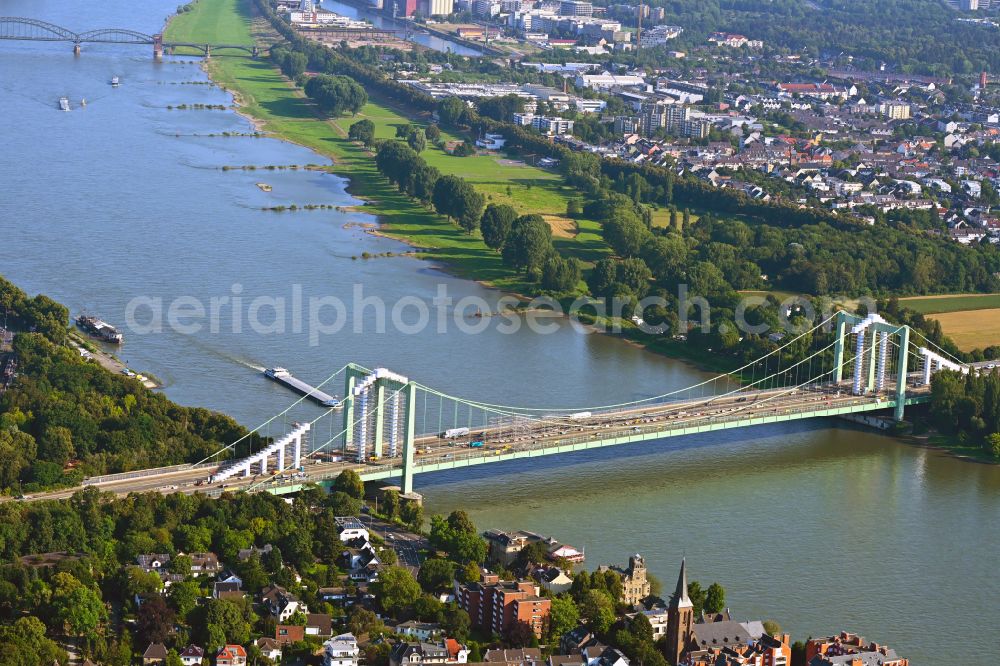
{"points": [[379, 419], [76, 49], [838, 348], [410, 416], [904, 346], [208, 51], [158, 48]]}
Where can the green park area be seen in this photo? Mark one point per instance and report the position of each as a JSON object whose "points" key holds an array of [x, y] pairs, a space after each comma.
{"points": [[279, 108]]}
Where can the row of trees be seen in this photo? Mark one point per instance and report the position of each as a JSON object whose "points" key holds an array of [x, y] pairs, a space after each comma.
{"points": [[450, 196]]}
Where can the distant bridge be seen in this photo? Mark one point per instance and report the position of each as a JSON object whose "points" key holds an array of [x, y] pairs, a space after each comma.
{"points": [[34, 30]]}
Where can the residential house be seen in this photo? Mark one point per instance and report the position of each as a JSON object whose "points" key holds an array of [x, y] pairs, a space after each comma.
{"points": [[289, 633], [280, 603], [204, 564], [247, 553], [519, 657], [270, 648], [155, 655], [422, 631], [575, 640], [362, 561], [341, 650], [231, 655], [319, 624], [602, 655], [553, 579], [350, 528], [192, 655], [566, 660], [229, 588], [154, 562], [849, 649]]}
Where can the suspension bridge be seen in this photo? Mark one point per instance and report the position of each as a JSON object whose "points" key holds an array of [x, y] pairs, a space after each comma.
{"points": [[29, 29], [392, 427]]}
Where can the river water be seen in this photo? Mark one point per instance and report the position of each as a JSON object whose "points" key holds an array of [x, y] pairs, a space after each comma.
{"points": [[821, 527]]}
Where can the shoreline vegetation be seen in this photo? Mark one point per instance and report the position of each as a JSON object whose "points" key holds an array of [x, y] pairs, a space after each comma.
{"points": [[276, 107]]}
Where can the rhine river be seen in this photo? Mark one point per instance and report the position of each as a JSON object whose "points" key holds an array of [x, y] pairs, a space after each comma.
{"points": [[819, 526]]}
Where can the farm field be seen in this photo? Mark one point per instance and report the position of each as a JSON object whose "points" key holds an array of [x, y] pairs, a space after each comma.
{"points": [[951, 303], [971, 329]]}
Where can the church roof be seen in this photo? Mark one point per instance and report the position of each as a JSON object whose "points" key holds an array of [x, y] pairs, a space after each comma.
{"points": [[681, 598]]}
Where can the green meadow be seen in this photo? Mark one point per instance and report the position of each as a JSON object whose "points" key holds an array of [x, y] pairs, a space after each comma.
{"points": [[281, 109]]}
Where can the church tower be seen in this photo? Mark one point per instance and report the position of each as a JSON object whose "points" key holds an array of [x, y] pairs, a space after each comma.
{"points": [[680, 618]]}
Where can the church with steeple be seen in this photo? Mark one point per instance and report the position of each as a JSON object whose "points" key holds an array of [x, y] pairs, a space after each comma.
{"points": [[680, 619]]}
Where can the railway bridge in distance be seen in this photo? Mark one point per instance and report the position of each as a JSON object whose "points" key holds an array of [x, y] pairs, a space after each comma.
{"points": [[34, 30]]}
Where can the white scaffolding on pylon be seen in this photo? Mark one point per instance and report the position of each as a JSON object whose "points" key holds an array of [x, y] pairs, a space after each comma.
{"points": [[288, 446]]}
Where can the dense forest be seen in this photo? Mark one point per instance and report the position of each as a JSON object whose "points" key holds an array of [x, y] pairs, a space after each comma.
{"points": [[64, 417]]}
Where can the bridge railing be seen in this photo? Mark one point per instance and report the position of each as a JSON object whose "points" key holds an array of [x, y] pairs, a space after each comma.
{"points": [[138, 474]]}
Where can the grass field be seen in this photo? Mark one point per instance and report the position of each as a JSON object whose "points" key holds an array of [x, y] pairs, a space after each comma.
{"points": [[971, 329], [213, 21], [281, 109], [951, 303]]}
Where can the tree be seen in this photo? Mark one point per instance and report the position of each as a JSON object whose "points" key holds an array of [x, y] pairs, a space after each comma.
{"points": [[496, 223], [427, 608], [78, 608], [181, 564], [56, 445], [412, 513], [184, 597], [599, 609], [350, 483], [416, 140], [626, 234], [519, 634], [573, 208], [715, 598], [24, 643], [772, 627], [697, 596], [457, 199], [436, 575], [470, 573], [528, 244], [457, 623], [142, 583], [561, 274], [452, 111], [363, 131], [227, 621], [155, 620], [433, 133], [390, 504], [564, 615], [993, 441], [336, 95], [396, 589], [363, 621]]}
